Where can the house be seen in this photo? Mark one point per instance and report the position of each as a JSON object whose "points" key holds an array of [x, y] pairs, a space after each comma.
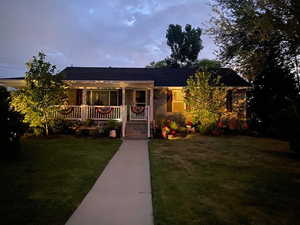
{"points": [[140, 95]]}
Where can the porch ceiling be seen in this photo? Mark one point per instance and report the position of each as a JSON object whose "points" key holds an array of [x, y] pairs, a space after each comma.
{"points": [[110, 84]]}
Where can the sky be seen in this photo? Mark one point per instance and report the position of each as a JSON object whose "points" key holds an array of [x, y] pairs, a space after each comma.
{"points": [[98, 33]]}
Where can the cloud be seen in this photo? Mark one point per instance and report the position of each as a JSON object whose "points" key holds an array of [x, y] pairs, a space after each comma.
{"points": [[123, 33]]}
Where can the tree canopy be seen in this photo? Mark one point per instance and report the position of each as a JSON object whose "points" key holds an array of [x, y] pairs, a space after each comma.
{"points": [[261, 39], [185, 45], [205, 101], [243, 29], [43, 92]]}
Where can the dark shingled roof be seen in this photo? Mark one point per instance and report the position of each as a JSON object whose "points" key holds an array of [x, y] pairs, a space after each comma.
{"points": [[161, 76]]}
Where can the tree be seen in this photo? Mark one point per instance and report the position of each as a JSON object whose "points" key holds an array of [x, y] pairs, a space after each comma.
{"points": [[11, 127], [185, 45], [243, 29], [205, 97], [43, 93], [207, 64], [261, 38], [159, 64]]}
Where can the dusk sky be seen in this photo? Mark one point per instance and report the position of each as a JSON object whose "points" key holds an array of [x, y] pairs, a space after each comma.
{"points": [[117, 33]]}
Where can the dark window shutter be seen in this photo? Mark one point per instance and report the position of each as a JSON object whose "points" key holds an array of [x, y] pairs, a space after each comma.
{"points": [[78, 97], [229, 101]]}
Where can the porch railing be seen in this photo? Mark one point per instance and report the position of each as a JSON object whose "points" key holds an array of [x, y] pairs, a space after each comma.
{"points": [[138, 114], [73, 112], [83, 112], [94, 112]]}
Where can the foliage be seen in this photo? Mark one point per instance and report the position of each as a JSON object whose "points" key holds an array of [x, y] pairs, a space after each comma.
{"points": [[173, 125], [207, 64], [243, 30], [88, 122], [164, 63], [61, 126], [11, 126], [112, 124], [262, 40], [205, 96], [185, 44], [185, 47], [274, 91], [43, 92]]}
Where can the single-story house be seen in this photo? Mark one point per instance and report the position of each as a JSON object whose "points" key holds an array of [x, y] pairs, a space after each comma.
{"points": [[133, 95]]}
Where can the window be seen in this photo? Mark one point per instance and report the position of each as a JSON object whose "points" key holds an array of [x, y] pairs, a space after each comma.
{"points": [[175, 101], [103, 97]]}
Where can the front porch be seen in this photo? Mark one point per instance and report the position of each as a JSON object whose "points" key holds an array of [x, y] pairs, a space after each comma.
{"points": [[113, 100]]}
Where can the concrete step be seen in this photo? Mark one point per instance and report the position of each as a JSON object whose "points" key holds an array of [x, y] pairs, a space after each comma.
{"points": [[136, 129]]}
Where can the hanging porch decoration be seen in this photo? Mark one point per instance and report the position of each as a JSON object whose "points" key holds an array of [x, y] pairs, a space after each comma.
{"points": [[137, 109], [104, 110]]}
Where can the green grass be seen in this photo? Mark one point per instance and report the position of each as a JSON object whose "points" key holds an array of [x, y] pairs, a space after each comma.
{"points": [[225, 180], [50, 178]]}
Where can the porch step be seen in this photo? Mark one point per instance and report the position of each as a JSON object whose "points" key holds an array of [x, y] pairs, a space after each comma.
{"points": [[136, 129]]}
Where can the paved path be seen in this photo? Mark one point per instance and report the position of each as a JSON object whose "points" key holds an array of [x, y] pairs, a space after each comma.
{"points": [[122, 194]]}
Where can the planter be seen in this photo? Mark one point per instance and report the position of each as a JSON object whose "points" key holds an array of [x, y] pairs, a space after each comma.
{"points": [[113, 133]]}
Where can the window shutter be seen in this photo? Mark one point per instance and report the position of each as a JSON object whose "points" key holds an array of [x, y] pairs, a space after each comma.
{"points": [[78, 97], [229, 101]]}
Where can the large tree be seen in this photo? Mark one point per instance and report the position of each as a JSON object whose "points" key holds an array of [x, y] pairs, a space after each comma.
{"points": [[261, 39], [43, 93], [185, 44], [243, 29]]}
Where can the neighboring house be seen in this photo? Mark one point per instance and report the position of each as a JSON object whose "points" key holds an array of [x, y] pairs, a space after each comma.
{"points": [[133, 94]]}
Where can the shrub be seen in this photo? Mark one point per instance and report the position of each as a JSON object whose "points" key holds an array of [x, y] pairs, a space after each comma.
{"points": [[60, 126], [11, 126], [173, 125], [88, 122]]}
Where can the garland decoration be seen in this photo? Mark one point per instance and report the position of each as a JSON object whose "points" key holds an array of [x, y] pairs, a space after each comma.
{"points": [[104, 110], [137, 109]]}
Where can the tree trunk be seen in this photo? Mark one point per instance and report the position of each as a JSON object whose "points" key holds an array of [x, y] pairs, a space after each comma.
{"points": [[47, 129]]}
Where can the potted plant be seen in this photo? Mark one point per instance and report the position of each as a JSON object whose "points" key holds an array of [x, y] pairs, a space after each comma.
{"points": [[112, 126]]}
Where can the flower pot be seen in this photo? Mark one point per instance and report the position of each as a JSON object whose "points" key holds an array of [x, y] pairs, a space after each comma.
{"points": [[113, 133]]}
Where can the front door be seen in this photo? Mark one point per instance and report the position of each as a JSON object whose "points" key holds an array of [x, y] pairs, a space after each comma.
{"points": [[138, 111], [139, 97]]}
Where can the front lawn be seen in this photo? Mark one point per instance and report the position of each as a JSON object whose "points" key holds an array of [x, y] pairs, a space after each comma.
{"points": [[50, 178], [225, 181]]}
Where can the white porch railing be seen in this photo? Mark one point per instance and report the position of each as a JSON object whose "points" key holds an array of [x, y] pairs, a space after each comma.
{"points": [[143, 115], [94, 113], [83, 112], [73, 112]]}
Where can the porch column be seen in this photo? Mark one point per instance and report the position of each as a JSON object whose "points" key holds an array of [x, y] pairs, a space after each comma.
{"points": [[123, 96], [151, 104], [84, 95], [124, 112], [84, 107]]}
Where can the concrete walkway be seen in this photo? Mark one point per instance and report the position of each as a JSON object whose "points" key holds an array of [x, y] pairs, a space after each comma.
{"points": [[122, 194]]}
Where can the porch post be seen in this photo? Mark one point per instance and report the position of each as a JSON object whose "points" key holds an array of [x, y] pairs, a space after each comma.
{"points": [[124, 112], [84, 95], [84, 108], [151, 104]]}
